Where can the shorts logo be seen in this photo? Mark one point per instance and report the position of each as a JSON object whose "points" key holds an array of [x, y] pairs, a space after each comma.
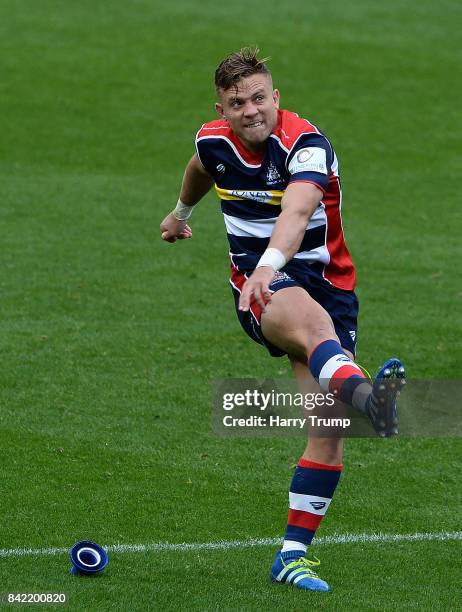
{"points": [[353, 335], [309, 159], [221, 169], [279, 277]]}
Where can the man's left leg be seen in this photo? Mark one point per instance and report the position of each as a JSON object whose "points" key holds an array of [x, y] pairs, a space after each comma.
{"points": [[297, 324]]}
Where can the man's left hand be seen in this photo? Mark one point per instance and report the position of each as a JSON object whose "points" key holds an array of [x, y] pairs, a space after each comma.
{"points": [[257, 288]]}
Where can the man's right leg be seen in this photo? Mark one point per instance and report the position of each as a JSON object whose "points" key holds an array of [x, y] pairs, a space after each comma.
{"points": [[311, 491], [296, 323]]}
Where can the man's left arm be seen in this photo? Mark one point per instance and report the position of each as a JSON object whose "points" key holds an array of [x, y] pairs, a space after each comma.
{"points": [[299, 202]]}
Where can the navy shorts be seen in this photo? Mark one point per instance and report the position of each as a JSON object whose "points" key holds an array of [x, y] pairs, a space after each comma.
{"points": [[342, 306]]}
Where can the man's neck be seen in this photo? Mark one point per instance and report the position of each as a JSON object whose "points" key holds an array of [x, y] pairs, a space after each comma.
{"points": [[255, 149]]}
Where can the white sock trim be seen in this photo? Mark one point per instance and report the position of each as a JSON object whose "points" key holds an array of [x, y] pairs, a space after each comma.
{"points": [[292, 545], [332, 365]]}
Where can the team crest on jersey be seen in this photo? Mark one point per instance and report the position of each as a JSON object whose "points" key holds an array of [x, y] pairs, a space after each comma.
{"points": [[272, 175]]}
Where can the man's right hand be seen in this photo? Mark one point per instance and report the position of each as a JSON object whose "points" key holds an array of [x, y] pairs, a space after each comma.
{"points": [[172, 229]]}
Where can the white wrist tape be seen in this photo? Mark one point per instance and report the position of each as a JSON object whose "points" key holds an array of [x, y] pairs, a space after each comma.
{"points": [[272, 257], [181, 211]]}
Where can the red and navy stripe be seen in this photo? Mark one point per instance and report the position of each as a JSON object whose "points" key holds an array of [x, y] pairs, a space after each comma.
{"points": [[313, 479]]}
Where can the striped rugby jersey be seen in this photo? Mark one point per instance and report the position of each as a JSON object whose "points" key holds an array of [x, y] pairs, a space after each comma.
{"points": [[251, 187]]}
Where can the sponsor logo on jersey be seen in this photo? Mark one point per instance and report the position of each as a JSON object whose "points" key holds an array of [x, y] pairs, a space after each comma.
{"points": [[269, 196], [304, 155], [272, 175], [343, 358], [259, 196], [309, 159]]}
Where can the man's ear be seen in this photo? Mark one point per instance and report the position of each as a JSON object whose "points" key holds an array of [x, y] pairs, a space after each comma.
{"points": [[219, 109], [276, 97]]}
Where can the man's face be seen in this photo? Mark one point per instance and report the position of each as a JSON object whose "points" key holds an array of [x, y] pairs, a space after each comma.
{"points": [[250, 107]]}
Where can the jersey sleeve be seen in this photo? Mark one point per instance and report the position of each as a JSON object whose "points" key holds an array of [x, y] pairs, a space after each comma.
{"points": [[208, 150], [310, 160], [203, 153]]}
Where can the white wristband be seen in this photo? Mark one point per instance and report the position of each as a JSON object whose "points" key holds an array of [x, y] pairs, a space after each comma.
{"points": [[272, 257], [182, 212]]}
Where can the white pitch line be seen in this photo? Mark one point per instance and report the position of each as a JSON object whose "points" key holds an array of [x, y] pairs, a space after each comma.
{"points": [[347, 538]]}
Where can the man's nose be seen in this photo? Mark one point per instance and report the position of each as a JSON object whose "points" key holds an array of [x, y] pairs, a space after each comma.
{"points": [[250, 109]]}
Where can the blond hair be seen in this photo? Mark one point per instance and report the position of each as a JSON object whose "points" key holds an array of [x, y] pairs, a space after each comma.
{"points": [[238, 65]]}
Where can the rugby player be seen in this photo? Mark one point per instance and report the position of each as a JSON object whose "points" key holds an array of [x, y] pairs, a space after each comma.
{"points": [[292, 276]]}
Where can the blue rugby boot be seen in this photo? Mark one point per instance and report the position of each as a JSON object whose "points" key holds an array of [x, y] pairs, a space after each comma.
{"points": [[381, 404], [292, 567]]}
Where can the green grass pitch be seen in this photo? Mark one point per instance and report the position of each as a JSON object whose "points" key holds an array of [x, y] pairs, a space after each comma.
{"points": [[110, 338]]}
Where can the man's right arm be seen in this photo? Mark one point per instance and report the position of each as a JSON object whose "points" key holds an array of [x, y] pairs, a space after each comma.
{"points": [[196, 183]]}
